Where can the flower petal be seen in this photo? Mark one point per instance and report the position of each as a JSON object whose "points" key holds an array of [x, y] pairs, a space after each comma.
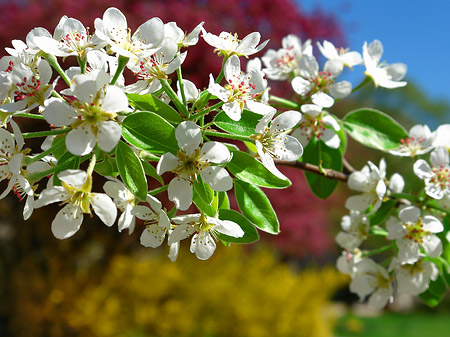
{"points": [[215, 152], [58, 113], [203, 246], [153, 236], [432, 224], [226, 227], [108, 135], [286, 120], [105, 208], [409, 214], [80, 141], [189, 136], [432, 245], [180, 192], [51, 195], [115, 100], [74, 178], [67, 222], [217, 177], [166, 163], [232, 68]]}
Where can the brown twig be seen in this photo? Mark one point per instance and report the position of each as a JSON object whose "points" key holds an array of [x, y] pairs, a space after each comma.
{"points": [[328, 173], [347, 166]]}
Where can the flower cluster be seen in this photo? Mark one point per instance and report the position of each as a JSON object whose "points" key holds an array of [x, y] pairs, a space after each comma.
{"points": [[413, 233], [162, 128]]}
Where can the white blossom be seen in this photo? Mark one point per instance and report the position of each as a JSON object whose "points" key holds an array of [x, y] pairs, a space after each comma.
{"points": [[112, 30], [191, 93], [157, 223], [273, 142], [92, 115], [420, 140], [369, 181], [70, 38], [283, 63], [320, 85], [228, 44], [436, 176], [76, 194], [412, 231], [342, 57], [11, 168], [348, 260], [382, 74], [373, 281], [355, 229], [205, 230], [125, 202], [255, 65], [150, 69], [172, 31], [240, 91], [415, 278], [317, 123], [194, 159], [442, 136], [29, 87]]}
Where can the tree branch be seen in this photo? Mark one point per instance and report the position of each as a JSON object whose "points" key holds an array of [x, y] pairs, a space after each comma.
{"points": [[328, 173], [349, 168]]}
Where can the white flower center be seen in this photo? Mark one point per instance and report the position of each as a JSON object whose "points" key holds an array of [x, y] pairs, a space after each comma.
{"points": [[239, 89], [322, 81], [30, 89], [412, 144], [441, 177], [190, 166], [122, 37], [77, 41], [152, 67], [287, 61], [415, 231], [312, 127]]}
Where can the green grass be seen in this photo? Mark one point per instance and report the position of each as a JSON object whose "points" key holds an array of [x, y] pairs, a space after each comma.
{"points": [[395, 325]]}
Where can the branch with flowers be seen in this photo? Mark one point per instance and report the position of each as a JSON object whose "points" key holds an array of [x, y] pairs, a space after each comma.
{"points": [[163, 129]]}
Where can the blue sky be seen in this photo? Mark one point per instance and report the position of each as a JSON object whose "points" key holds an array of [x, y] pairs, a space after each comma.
{"points": [[413, 32]]}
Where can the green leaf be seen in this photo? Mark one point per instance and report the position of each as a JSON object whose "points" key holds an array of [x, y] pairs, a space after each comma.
{"points": [[107, 167], [374, 129], [151, 171], [382, 214], [317, 153], [66, 162], [250, 232], [149, 131], [244, 127], [251, 147], [247, 168], [131, 170], [431, 299], [172, 213], [377, 230], [203, 197], [150, 157], [151, 103], [446, 222], [61, 146], [342, 136], [203, 98], [256, 207], [223, 200], [435, 292]]}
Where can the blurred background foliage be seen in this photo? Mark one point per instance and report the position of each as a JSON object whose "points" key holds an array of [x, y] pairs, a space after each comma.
{"points": [[103, 283]]}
